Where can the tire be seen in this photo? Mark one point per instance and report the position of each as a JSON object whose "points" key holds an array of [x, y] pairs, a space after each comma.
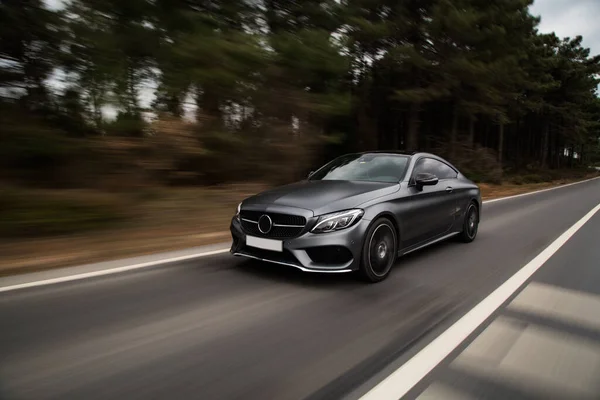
{"points": [[379, 252], [470, 224]]}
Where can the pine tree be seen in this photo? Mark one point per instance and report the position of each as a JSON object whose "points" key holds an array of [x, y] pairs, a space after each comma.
{"points": [[29, 43]]}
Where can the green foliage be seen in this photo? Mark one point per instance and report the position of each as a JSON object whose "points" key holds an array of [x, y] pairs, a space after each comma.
{"points": [[478, 164], [471, 79], [31, 151], [29, 40], [126, 124]]}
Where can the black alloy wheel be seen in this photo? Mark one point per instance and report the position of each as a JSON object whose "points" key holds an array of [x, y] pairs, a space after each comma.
{"points": [[379, 251], [470, 224]]}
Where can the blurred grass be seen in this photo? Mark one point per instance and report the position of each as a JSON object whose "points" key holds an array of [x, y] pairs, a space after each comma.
{"points": [[546, 175], [48, 228], [31, 213], [27, 212]]}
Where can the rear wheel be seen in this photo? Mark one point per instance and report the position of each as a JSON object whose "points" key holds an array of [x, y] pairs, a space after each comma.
{"points": [[470, 224], [379, 251]]}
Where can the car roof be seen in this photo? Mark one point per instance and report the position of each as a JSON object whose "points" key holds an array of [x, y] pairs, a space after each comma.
{"points": [[403, 153], [411, 154], [399, 152]]}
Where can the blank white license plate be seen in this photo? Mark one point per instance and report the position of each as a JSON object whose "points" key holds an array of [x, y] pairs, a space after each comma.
{"points": [[266, 244]]}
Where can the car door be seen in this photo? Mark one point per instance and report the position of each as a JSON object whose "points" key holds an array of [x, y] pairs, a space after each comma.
{"points": [[432, 208]]}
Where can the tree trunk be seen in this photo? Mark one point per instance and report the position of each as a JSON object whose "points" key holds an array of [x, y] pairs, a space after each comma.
{"points": [[132, 103], [453, 135], [472, 131], [209, 106], [367, 130], [517, 141], [500, 142], [485, 135], [412, 138], [559, 149], [545, 141], [531, 145], [571, 156], [534, 150], [96, 107], [400, 125], [394, 132]]}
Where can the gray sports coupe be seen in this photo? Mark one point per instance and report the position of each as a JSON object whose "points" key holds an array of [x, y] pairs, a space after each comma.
{"points": [[359, 212]]}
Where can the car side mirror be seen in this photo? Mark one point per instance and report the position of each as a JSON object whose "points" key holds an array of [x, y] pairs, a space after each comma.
{"points": [[425, 179]]}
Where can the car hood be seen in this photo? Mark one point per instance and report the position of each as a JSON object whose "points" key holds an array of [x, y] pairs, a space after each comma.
{"points": [[322, 197]]}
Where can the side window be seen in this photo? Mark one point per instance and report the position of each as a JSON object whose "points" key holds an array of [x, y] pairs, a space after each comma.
{"points": [[445, 171], [424, 165], [431, 166]]}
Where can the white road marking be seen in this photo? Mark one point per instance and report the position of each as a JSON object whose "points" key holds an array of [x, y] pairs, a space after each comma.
{"points": [[493, 344], [410, 373], [539, 191], [110, 271], [197, 255]]}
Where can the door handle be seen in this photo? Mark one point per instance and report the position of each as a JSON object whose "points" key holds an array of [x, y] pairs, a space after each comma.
{"points": [[449, 189]]}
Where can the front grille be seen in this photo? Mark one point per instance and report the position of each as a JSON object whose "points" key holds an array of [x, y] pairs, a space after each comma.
{"points": [[280, 219], [249, 221], [277, 232]]}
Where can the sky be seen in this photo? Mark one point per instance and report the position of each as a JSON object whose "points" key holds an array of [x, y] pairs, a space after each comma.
{"points": [[571, 18]]}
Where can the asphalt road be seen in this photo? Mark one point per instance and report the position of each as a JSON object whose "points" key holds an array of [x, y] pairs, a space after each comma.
{"points": [[543, 343], [224, 328]]}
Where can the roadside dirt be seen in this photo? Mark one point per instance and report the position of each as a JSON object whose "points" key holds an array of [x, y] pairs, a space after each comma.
{"points": [[489, 191], [174, 220]]}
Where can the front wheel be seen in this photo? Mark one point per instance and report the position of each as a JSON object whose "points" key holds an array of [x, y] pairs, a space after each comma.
{"points": [[470, 224], [379, 251]]}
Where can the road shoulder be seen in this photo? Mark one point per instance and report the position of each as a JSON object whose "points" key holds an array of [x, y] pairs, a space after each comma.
{"points": [[49, 276]]}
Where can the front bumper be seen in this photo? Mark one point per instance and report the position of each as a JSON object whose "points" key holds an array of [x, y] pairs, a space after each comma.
{"points": [[332, 252]]}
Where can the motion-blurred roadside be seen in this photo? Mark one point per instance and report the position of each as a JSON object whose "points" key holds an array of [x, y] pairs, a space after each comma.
{"points": [[137, 126]]}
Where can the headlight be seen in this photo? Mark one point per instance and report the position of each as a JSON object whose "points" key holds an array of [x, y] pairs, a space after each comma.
{"points": [[336, 221], [237, 213]]}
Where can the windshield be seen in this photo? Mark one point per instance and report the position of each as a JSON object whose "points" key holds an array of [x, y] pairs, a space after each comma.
{"points": [[364, 167]]}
